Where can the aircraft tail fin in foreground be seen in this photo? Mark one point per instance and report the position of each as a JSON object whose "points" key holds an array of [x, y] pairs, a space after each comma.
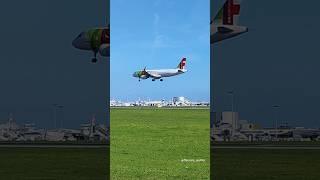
{"points": [[182, 64], [229, 13]]}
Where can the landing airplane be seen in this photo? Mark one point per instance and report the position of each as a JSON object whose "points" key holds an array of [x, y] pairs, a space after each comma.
{"points": [[96, 40], [161, 73], [225, 24]]}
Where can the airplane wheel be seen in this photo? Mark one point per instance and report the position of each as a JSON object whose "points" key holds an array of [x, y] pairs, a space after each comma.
{"points": [[153, 79], [94, 60], [161, 79]]}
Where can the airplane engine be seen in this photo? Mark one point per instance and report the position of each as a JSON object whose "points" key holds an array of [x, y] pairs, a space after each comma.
{"points": [[104, 50], [144, 76]]}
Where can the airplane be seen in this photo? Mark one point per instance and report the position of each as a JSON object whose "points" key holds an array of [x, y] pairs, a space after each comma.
{"points": [[96, 40], [161, 73], [225, 24]]}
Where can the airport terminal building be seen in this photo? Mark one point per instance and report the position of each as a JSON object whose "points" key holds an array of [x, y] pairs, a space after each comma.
{"points": [[227, 126]]}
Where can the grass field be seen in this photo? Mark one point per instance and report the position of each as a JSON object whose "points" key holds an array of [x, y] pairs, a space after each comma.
{"points": [[152, 143], [54, 163], [262, 164]]}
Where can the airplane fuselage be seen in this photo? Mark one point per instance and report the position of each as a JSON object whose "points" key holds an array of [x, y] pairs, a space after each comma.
{"points": [[96, 40], [167, 72], [161, 73]]}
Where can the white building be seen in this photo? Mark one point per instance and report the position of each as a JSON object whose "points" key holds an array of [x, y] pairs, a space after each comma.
{"points": [[180, 101]]}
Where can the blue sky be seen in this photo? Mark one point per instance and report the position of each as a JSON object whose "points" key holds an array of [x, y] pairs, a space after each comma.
{"points": [[157, 34]]}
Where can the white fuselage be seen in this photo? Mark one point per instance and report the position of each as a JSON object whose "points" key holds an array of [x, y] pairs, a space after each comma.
{"points": [[167, 72]]}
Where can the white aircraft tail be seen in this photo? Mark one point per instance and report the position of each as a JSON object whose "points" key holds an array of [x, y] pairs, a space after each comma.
{"points": [[229, 13], [182, 64]]}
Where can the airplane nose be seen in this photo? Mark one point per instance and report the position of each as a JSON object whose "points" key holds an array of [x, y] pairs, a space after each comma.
{"points": [[134, 74], [82, 42]]}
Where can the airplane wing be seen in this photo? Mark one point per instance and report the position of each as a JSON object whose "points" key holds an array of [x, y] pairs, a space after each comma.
{"points": [[154, 75], [224, 29]]}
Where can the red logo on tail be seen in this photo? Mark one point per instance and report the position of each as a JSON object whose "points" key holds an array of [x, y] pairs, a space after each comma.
{"points": [[182, 64], [229, 10]]}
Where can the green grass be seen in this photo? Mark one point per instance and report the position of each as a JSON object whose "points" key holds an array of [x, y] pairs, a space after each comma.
{"points": [[261, 164], [150, 143], [54, 163]]}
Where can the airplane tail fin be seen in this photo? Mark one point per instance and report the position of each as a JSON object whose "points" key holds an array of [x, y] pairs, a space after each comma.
{"points": [[182, 64], [229, 13]]}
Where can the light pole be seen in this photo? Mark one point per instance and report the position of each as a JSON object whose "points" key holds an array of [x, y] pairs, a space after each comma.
{"points": [[55, 109], [54, 115], [231, 93], [276, 109], [62, 114]]}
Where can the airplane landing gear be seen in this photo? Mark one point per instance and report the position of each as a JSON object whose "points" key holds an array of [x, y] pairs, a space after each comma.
{"points": [[153, 79], [161, 79]]}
